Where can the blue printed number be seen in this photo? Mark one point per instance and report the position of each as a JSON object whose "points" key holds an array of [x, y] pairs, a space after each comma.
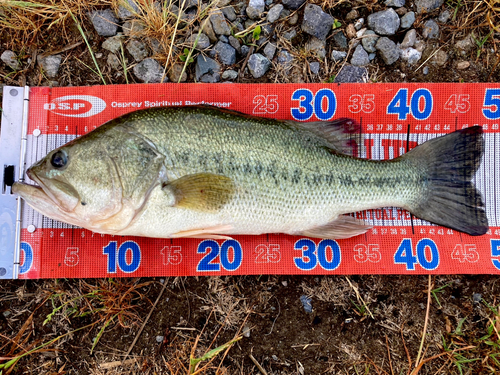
{"points": [[323, 104], [492, 100], [120, 257], [495, 252], [312, 256], [399, 104], [230, 256], [28, 258], [404, 254]]}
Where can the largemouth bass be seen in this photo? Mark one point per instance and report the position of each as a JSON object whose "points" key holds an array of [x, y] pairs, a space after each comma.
{"points": [[205, 172]]}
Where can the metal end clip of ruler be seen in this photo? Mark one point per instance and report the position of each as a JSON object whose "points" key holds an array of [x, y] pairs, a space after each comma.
{"points": [[12, 154]]}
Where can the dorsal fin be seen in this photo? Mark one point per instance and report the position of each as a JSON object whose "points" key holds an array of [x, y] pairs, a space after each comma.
{"points": [[340, 134]]}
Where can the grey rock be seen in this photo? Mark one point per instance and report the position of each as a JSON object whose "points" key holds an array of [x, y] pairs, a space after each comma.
{"points": [[411, 55], [225, 53], [361, 32], [267, 29], [425, 70], [219, 23], [244, 50], [262, 40], [444, 16], [246, 331], [209, 31], [203, 41], [314, 66], [205, 66], [196, 3], [229, 13], [269, 2], [306, 302], [155, 45], [352, 74], [159, 339], [407, 20], [132, 27], [290, 34], [430, 30], [224, 39], [113, 44], [401, 11], [223, 3], [137, 49], [255, 9], [477, 297], [316, 46], [369, 41], [388, 50], [50, 64], [394, 3], [230, 74], [294, 19], [149, 71], [175, 73], [339, 40], [426, 6], [385, 22], [10, 58], [270, 50], [285, 59], [316, 22], [419, 45], [338, 55], [465, 44], [235, 43], [409, 39], [360, 57], [127, 9], [440, 58], [114, 62], [353, 43], [274, 13], [293, 4], [359, 24], [352, 15], [104, 21], [258, 65], [372, 56]]}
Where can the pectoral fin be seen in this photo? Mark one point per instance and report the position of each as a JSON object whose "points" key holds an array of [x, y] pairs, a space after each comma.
{"points": [[341, 227], [205, 192]]}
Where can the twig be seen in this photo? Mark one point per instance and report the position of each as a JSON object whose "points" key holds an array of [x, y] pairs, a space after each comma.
{"points": [[417, 362], [406, 350], [242, 70], [61, 50], [145, 321], [436, 51], [110, 365], [261, 369], [424, 361], [389, 354]]}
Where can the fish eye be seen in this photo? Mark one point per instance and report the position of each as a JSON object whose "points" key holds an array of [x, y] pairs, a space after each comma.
{"points": [[59, 159]]}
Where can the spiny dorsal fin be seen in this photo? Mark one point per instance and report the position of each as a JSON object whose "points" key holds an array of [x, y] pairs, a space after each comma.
{"points": [[201, 191], [340, 134], [341, 227]]}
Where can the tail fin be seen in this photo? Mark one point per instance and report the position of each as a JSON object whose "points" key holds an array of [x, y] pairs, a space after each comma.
{"points": [[451, 198]]}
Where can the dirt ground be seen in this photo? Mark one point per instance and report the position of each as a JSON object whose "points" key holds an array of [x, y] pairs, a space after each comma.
{"points": [[358, 324]]}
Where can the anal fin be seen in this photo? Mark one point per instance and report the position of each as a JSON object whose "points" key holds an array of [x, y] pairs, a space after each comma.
{"points": [[208, 233], [341, 227]]}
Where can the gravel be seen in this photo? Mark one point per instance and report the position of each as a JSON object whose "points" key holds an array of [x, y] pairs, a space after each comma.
{"points": [[338, 55], [293, 4], [203, 41], [430, 30], [274, 13], [463, 65], [50, 64], [387, 50], [352, 74], [175, 73], [444, 16], [235, 43], [113, 44], [225, 53], [149, 71], [255, 9], [407, 20], [465, 44], [385, 22], [360, 57], [229, 13], [270, 50], [137, 49], [208, 68], [425, 70], [104, 21], [314, 67], [339, 40], [306, 303], [426, 6], [316, 22], [409, 39], [10, 58], [258, 65], [114, 62], [230, 74], [411, 55], [219, 23], [359, 24], [132, 27], [317, 47], [285, 59], [369, 41], [440, 58], [394, 3], [127, 10]]}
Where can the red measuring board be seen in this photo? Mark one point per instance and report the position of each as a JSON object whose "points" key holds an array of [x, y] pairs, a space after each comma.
{"points": [[394, 117]]}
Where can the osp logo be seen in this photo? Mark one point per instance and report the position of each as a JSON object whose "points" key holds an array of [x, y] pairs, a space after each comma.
{"points": [[76, 105]]}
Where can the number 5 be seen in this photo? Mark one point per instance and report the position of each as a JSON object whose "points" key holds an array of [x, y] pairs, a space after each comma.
{"points": [[492, 98]]}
